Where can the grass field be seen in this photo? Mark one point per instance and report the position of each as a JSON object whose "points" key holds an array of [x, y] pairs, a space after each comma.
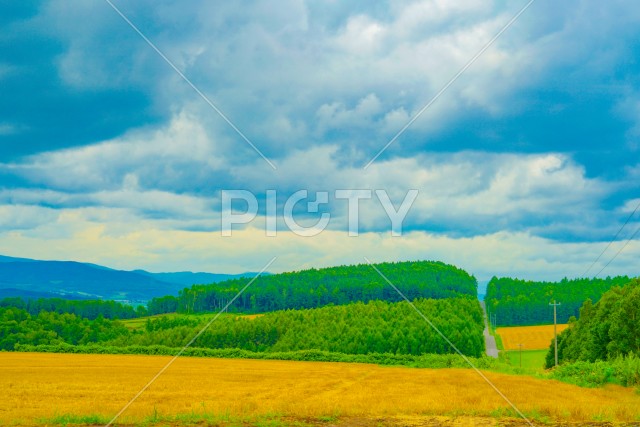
{"points": [[532, 337], [140, 322], [49, 388], [532, 360]]}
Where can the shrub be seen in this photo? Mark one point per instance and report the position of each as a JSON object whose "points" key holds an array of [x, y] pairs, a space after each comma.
{"points": [[585, 374]]}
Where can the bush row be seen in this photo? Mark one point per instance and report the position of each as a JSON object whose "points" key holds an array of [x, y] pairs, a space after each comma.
{"points": [[387, 359], [624, 371]]}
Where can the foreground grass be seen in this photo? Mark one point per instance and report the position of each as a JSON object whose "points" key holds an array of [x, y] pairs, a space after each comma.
{"points": [[157, 420], [500, 418], [42, 389]]}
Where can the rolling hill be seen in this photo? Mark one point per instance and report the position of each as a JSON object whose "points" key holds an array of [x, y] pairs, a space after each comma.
{"points": [[319, 287], [29, 278]]}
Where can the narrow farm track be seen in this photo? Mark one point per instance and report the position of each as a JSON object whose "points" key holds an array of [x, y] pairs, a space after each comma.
{"points": [[489, 340]]}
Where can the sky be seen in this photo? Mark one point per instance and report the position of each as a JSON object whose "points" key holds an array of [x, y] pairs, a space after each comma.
{"points": [[526, 165]]}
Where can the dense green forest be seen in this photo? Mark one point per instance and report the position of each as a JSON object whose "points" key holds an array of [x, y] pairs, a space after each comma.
{"points": [[357, 328], [317, 288], [89, 309], [521, 302], [304, 289], [605, 330], [354, 318], [17, 326]]}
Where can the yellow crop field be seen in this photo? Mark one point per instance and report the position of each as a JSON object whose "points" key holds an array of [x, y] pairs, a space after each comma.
{"points": [[532, 337], [251, 316], [37, 387]]}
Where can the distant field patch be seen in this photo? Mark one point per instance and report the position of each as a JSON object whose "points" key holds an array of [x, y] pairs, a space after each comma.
{"points": [[140, 322], [89, 389], [250, 316], [532, 337], [531, 361]]}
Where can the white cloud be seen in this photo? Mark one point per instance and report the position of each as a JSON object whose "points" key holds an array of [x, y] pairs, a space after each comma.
{"points": [[319, 87], [25, 217], [274, 71], [158, 158], [361, 36], [145, 246], [337, 116], [463, 193], [466, 193]]}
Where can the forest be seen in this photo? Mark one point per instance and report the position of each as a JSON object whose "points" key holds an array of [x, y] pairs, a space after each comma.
{"points": [[606, 330], [321, 287], [17, 326], [356, 328], [303, 289], [516, 302], [89, 309]]}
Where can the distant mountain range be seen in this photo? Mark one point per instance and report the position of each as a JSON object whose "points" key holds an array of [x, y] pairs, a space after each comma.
{"points": [[29, 278]]}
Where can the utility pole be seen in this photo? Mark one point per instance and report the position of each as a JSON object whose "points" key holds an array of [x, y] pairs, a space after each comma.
{"points": [[520, 345], [555, 327]]}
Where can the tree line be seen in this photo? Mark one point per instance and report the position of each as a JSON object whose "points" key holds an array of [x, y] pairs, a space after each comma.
{"points": [[521, 302], [296, 290], [606, 330], [356, 328], [88, 309], [18, 326], [432, 361], [317, 288]]}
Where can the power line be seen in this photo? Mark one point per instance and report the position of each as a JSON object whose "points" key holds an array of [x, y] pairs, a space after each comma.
{"points": [[620, 250], [611, 242], [555, 329]]}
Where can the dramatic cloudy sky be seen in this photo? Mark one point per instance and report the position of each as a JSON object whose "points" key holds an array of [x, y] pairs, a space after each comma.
{"points": [[527, 165]]}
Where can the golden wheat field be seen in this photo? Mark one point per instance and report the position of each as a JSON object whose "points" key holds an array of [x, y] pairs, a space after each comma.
{"points": [[37, 387], [532, 337]]}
